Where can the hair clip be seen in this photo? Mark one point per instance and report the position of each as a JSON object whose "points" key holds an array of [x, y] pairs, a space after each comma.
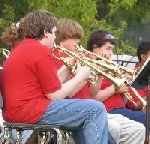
{"points": [[17, 24], [109, 37]]}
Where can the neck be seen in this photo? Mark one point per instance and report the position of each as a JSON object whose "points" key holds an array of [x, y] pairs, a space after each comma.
{"points": [[61, 45], [42, 41]]}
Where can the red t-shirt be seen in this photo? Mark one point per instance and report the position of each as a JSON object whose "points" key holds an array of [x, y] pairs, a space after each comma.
{"points": [[28, 74], [84, 93], [114, 101]]}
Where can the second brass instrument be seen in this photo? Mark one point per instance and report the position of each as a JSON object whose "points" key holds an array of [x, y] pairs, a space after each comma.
{"points": [[114, 72], [117, 72]]}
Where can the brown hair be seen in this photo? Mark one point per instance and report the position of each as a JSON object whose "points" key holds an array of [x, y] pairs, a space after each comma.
{"points": [[99, 38], [143, 48], [38, 21], [14, 33], [68, 29]]}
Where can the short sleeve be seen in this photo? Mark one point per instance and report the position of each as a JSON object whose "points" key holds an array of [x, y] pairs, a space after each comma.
{"points": [[105, 83], [47, 74]]}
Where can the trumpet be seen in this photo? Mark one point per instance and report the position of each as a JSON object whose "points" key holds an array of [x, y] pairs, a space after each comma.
{"points": [[113, 71], [121, 70], [117, 71], [82, 60]]}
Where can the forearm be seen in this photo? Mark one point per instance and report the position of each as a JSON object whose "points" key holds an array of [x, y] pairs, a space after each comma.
{"points": [[66, 89], [63, 74], [78, 88], [102, 95]]}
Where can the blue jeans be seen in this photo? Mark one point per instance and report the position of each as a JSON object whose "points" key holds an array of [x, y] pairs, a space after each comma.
{"points": [[86, 118], [110, 139], [138, 116]]}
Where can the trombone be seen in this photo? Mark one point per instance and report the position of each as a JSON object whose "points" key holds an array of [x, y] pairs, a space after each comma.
{"points": [[114, 72]]}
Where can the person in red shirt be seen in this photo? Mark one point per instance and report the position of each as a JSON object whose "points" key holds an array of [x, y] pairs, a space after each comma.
{"points": [[102, 43], [68, 35], [143, 53], [32, 90]]}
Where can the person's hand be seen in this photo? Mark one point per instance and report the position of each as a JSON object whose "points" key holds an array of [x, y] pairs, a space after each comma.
{"points": [[105, 55], [83, 71], [101, 68], [123, 89], [70, 63], [128, 77], [70, 60], [138, 106]]}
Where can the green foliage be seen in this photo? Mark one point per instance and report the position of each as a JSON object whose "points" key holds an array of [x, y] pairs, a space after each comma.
{"points": [[127, 49], [4, 24], [112, 15], [82, 11], [8, 12], [140, 13]]}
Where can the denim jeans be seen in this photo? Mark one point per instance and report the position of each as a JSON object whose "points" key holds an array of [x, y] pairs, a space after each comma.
{"points": [[138, 116], [86, 118], [110, 139]]}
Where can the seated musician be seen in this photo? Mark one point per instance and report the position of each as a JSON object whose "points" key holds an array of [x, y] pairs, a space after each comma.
{"points": [[121, 128], [34, 94], [102, 43], [143, 52], [68, 35]]}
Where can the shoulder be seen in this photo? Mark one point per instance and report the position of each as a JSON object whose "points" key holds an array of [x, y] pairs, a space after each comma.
{"points": [[34, 47]]}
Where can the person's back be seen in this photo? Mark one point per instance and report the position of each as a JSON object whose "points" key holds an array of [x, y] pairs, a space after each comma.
{"points": [[22, 84], [40, 97]]}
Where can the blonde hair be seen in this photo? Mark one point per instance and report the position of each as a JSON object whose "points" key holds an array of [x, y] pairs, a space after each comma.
{"points": [[68, 29]]}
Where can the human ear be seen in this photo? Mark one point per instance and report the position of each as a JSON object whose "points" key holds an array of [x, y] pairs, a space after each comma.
{"points": [[45, 33], [54, 29]]}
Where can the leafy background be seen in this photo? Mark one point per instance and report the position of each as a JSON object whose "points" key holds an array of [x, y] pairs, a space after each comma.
{"points": [[115, 16]]}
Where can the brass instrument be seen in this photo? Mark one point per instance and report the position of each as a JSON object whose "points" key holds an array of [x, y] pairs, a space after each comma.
{"points": [[114, 72], [117, 71], [6, 53], [121, 70], [82, 60]]}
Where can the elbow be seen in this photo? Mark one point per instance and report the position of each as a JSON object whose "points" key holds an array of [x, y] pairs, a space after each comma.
{"points": [[55, 96], [51, 96], [48, 96]]}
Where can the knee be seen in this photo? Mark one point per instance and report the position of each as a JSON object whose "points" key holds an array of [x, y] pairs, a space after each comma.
{"points": [[140, 129], [114, 129], [96, 105]]}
